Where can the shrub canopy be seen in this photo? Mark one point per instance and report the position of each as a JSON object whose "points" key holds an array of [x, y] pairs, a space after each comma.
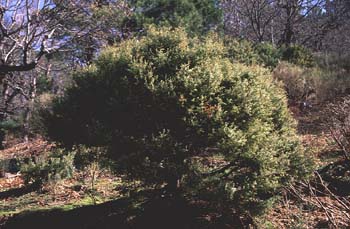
{"points": [[160, 102]]}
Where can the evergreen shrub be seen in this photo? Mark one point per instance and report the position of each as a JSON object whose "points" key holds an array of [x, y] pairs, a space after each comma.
{"points": [[160, 102]]}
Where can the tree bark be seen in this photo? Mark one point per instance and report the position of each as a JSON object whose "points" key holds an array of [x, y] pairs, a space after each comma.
{"points": [[4, 68]]}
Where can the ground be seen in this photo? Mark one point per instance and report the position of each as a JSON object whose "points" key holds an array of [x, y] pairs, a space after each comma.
{"points": [[317, 203], [103, 200]]}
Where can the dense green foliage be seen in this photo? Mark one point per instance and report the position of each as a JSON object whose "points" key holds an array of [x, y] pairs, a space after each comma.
{"points": [[298, 55], [196, 15], [267, 54], [241, 51], [159, 102]]}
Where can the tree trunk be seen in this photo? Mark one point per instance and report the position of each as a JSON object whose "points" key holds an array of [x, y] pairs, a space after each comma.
{"points": [[288, 35], [3, 115], [174, 185], [27, 114]]}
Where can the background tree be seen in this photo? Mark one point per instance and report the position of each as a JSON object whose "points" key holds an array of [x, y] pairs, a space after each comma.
{"points": [[254, 18], [195, 15], [304, 22], [33, 29], [333, 27]]}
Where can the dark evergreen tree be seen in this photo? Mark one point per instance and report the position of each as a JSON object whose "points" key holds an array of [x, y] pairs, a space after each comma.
{"points": [[196, 16]]}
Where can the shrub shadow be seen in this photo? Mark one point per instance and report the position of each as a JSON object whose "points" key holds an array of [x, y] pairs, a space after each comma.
{"points": [[156, 212], [16, 192]]}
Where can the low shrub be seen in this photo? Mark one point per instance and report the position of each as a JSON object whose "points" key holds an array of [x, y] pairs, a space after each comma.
{"points": [[297, 55], [48, 168], [85, 156], [338, 122], [296, 80], [268, 55], [333, 62], [10, 126], [315, 85]]}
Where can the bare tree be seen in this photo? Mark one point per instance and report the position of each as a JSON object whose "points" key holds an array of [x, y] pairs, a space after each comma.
{"points": [[33, 29], [254, 16], [292, 15], [304, 22], [329, 27], [30, 29]]}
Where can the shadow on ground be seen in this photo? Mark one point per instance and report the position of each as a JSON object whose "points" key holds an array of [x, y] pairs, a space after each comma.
{"points": [[337, 177], [156, 212], [16, 192]]}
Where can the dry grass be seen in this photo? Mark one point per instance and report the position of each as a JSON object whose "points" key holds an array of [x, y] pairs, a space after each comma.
{"points": [[311, 204]]}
